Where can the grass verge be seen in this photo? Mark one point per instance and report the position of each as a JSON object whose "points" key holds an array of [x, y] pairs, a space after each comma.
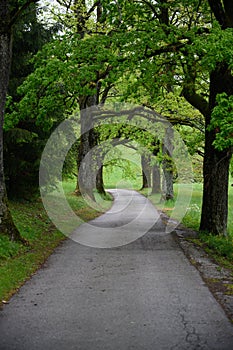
{"points": [[19, 262]]}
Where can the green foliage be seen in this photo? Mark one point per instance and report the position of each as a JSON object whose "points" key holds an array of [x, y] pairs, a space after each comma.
{"points": [[122, 174], [65, 69], [216, 47], [151, 52], [22, 153], [23, 140], [192, 216], [126, 133], [193, 138], [29, 36], [222, 122]]}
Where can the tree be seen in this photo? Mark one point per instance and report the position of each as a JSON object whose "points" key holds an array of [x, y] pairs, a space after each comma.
{"points": [[216, 162], [73, 72], [23, 139], [183, 37], [9, 12], [163, 46]]}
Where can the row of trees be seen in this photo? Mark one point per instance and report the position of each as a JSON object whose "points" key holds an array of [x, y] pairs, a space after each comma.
{"points": [[174, 57]]}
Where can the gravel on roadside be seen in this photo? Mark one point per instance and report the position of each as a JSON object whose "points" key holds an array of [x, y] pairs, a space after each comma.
{"points": [[219, 279]]}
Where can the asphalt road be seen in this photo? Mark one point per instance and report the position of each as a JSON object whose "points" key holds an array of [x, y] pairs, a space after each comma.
{"points": [[143, 295]]}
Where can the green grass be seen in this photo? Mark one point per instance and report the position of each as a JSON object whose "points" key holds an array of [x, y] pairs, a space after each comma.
{"points": [[18, 262], [185, 208], [80, 206], [192, 213]]}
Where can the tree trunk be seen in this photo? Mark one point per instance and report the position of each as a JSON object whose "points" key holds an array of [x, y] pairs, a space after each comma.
{"points": [[146, 171], [216, 164], [87, 162], [99, 159], [88, 140], [99, 181], [156, 179], [167, 165], [215, 191], [168, 192], [6, 223]]}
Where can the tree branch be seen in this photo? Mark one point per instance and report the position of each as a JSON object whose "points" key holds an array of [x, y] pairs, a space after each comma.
{"points": [[197, 101], [151, 7], [105, 93], [189, 90], [200, 153], [15, 16], [97, 3]]}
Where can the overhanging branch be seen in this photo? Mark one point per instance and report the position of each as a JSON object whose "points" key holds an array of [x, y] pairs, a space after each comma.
{"points": [[18, 13]]}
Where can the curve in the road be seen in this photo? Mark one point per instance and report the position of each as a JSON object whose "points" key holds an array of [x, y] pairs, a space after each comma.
{"points": [[131, 216]]}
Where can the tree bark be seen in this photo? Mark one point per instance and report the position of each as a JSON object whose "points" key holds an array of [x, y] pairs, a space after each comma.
{"points": [[88, 140], [215, 190], [168, 192], [146, 171], [167, 165], [216, 164], [156, 179], [99, 181]]}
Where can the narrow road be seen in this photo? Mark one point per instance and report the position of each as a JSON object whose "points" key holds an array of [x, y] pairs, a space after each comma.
{"points": [[144, 295]]}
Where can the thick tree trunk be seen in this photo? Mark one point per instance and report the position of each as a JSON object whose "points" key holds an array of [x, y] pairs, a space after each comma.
{"points": [[88, 140], [86, 181], [146, 171], [6, 223], [99, 157], [99, 181], [215, 191], [216, 164], [156, 179]]}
